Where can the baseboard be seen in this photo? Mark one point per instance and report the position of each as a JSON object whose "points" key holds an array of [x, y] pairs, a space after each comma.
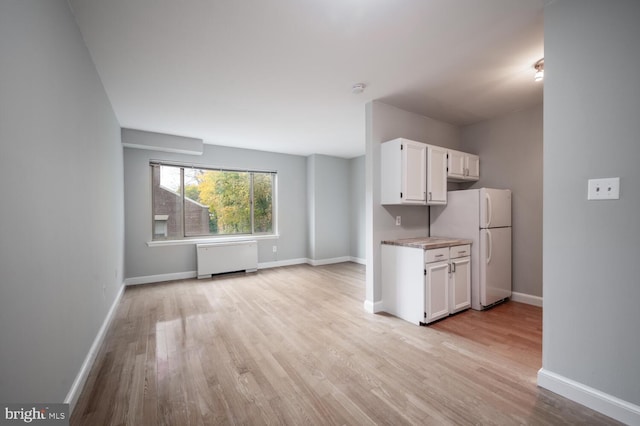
{"points": [[279, 263], [160, 278], [85, 369], [604, 403], [330, 261], [526, 298], [373, 307], [261, 265]]}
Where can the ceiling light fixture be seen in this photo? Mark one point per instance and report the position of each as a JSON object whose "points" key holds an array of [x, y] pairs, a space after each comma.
{"points": [[358, 88], [539, 66]]}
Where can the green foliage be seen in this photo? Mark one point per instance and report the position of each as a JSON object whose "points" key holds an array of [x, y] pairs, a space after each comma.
{"points": [[262, 202], [192, 192], [228, 196], [213, 222]]}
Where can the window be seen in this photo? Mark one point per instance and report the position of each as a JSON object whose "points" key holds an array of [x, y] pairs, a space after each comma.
{"points": [[196, 202]]}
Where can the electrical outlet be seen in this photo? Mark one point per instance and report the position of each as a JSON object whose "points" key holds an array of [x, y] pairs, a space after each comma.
{"points": [[275, 249], [398, 220], [603, 189]]}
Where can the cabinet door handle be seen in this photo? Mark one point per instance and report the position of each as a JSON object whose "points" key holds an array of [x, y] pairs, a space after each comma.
{"points": [[439, 255], [453, 267], [429, 195]]}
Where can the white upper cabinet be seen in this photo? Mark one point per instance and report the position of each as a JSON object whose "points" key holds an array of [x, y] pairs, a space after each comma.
{"points": [[473, 167], [462, 166], [436, 175], [416, 173], [403, 172], [456, 164], [414, 162]]}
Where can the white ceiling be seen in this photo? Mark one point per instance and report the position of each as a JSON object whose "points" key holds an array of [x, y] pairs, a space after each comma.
{"points": [[276, 75]]}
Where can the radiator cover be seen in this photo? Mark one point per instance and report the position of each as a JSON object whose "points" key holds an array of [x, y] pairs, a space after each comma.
{"points": [[217, 258]]}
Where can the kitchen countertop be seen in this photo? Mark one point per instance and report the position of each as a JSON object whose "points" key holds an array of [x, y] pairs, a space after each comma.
{"points": [[428, 243]]}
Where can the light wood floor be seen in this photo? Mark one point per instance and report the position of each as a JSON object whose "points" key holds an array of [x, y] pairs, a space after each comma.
{"points": [[294, 346]]}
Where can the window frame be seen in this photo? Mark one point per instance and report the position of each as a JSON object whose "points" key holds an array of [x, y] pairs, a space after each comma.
{"points": [[194, 239]]}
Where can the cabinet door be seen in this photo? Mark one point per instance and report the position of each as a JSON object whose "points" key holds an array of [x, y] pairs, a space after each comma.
{"points": [[402, 282], [460, 284], [414, 171], [456, 164], [436, 292], [473, 167], [436, 175]]}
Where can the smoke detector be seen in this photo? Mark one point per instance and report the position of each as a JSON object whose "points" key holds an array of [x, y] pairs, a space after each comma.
{"points": [[358, 88]]}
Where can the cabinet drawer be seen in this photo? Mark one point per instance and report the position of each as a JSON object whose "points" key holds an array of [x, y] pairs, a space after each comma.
{"points": [[460, 251], [436, 255]]}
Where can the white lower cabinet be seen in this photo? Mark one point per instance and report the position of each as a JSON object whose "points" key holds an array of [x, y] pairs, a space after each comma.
{"points": [[460, 278], [402, 275], [436, 300], [422, 286]]}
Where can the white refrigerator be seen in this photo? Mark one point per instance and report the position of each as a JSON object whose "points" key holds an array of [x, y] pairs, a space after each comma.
{"points": [[483, 216]]}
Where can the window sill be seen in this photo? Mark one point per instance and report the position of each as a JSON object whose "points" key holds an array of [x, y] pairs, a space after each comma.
{"points": [[191, 241]]}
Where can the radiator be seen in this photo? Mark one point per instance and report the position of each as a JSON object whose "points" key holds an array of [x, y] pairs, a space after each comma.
{"points": [[217, 258]]}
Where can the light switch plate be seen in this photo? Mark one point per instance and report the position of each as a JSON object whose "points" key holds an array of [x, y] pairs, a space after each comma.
{"points": [[603, 189], [398, 220]]}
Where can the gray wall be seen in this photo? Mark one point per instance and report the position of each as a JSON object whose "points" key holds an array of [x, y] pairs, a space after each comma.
{"points": [[510, 150], [61, 218], [143, 261], [329, 218], [385, 122], [357, 215], [591, 248], [311, 207]]}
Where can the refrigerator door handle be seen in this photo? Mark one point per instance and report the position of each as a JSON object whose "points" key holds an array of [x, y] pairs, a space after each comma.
{"points": [[489, 211], [489, 246]]}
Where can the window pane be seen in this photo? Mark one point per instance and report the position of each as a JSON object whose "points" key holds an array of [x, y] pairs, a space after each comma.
{"points": [[167, 202], [190, 202], [197, 218], [263, 202], [224, 196]]}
